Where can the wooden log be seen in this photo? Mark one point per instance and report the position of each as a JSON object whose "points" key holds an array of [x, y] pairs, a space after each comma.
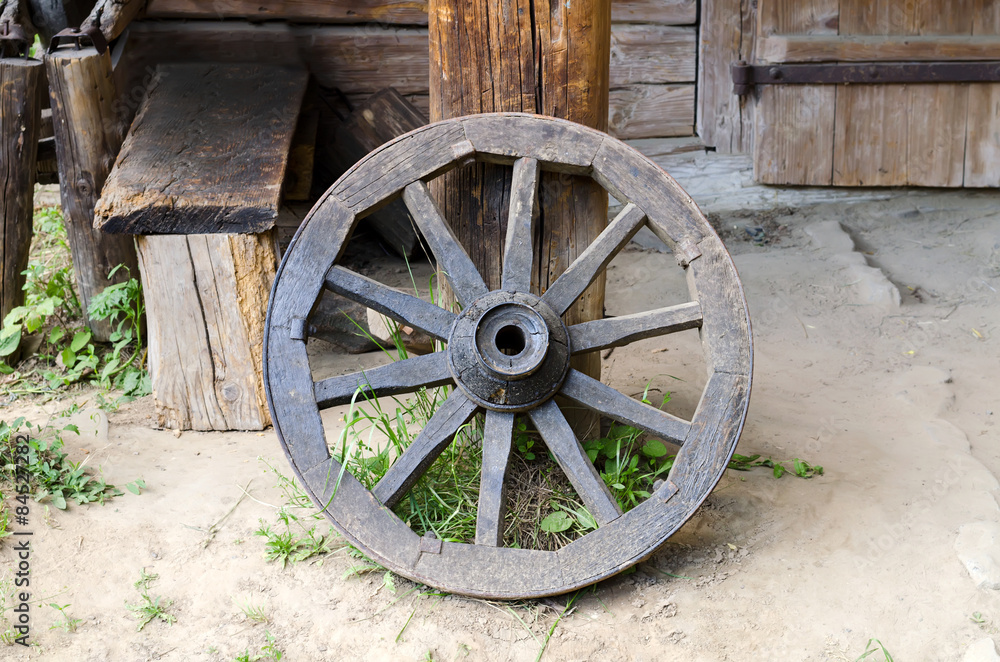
{"points": [[382, 117], [206, 298], [111, 17], [21, 85], [88, 135], [552, 63]]}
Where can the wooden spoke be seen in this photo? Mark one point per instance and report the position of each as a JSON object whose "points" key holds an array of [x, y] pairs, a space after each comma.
{"points": [[402, 307], [559, 437], [461, 273], [517, 256], [618, 331], [602, 398], [432, 440], [497, 442], [390, 379], [571, 284]]}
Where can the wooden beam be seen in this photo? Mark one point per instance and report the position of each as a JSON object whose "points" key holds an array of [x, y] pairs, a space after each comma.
{"points": [[877, 48], [400, 12], [88, 136], [21, 89]]}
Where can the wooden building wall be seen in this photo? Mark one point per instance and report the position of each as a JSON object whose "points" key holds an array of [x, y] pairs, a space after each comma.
{"points": [[361, 46]]}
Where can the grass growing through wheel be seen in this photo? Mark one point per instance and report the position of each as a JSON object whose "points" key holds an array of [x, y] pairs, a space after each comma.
{"points": [[544, 511]]}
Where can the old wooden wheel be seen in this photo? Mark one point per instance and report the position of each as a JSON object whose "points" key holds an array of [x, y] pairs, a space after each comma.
{"points": [[508, 352]]}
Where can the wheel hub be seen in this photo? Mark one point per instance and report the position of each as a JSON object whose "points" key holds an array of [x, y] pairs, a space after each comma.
{"points": [[509, 351]]}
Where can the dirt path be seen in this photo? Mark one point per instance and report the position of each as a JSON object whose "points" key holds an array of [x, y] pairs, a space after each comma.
{"points": [[897, 401]]}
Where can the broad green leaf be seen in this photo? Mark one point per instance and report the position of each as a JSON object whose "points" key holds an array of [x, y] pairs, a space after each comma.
{"points": [[5, 369], [56, 334], [9, 341], [80, 340], [654, 448], [109, 368], [14, 317], [33, 322], [779, 470], [131, 381], [585, 519], [68, 357], [557, 522]]}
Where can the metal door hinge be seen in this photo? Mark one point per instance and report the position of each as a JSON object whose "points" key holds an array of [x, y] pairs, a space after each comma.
{"points": [[746, 76]]}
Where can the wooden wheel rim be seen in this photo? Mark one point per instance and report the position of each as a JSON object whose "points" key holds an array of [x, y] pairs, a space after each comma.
{"points": [[400, 168]]}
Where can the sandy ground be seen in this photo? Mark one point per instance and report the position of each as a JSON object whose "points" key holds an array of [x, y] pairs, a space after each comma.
{"points": [[897, 401]]}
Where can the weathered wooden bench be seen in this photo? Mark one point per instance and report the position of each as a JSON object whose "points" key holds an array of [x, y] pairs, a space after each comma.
{"points": [[199, 182]]}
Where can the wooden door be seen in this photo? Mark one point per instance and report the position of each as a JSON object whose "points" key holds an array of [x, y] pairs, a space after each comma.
{"points": [[941, 134]]}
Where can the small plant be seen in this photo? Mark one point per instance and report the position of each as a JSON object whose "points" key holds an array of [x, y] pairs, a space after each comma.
{"points": [[52, 474], [255, 613], [268, 651], [800, 468], [300, 538], [123, 306], [873, 647], [67, 624], [151, 608], [66, 353]]}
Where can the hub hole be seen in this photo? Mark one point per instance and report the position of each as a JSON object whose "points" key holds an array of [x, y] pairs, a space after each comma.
{"points": [[510, 340]]}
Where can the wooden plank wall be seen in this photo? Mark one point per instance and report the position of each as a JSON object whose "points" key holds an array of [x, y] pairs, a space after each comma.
{"points": [[726, 35], [885, 135], [653, 50]]}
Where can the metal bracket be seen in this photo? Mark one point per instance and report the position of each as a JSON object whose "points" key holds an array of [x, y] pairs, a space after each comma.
{"points": [[299, 329], [746, 76], [75, 37], [14, 40]]}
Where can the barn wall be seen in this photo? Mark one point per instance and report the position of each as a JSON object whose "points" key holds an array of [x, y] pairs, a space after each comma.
{"points": [[360, 47]]}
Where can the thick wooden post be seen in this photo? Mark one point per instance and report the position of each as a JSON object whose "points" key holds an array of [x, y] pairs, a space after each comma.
{"points": [[550, 58], [88, 136], [206, 299], [21, 84]]}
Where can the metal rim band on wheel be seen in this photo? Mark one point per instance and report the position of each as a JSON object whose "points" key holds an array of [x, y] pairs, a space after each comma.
{"points": [[508, 353]]}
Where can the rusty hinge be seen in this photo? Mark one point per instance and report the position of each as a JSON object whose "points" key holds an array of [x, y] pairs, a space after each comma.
{"points": [[14, 41], [746, 76]]}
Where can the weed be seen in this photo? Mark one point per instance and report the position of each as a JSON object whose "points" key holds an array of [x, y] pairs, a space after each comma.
{"points": [[51, 473], [123, 306], [150, 608], [4, 519], [800, 468], [255, 613], [873, 647], [299, 538], [66, 353], [67, 623], [268, 651]]}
